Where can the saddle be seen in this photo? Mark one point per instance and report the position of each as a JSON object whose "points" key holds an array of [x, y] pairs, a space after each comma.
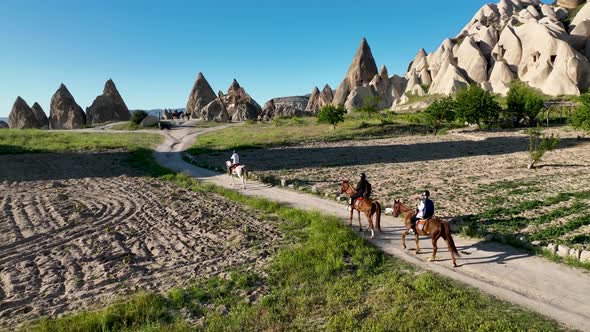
{"points": [[231, 169], [421, 226]]}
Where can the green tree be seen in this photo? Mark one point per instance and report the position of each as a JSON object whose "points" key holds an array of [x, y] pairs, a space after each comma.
{"points": [[476, 106], [370, 105], [138, 116], [440, 111], [331, 114], [539, 144], [524, 102], [581, 117]]}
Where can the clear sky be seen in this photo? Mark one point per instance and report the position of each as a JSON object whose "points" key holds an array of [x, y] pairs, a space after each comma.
{"points": [[153, 50]]}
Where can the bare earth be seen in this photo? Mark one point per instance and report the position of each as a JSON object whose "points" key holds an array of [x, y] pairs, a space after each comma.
{"points": [[78, 230]]}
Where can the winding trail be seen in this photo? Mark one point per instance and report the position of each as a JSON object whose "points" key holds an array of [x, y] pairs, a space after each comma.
{"points": [[554, 290]]}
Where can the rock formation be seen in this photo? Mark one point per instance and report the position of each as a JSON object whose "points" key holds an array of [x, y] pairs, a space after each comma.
{"points": [[285, 107], [3, 125], [214, 111], [239, 105], [108, 107], [201, 95], [40, 116], [513, 39], [64, 112], [361, 71], [318, 99], [21, 116]]}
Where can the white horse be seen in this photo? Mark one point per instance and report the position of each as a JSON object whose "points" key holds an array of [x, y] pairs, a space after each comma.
{"points": [[241, 172]]}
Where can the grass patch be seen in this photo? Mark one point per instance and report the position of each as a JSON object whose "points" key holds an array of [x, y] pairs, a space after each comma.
{"points": [[125, 126], [15, 141], [299, 130], [324, 277]]}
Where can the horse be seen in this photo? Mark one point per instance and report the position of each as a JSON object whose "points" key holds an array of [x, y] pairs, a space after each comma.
{"points": [[240, 171], [434, 227], [366, 205]]}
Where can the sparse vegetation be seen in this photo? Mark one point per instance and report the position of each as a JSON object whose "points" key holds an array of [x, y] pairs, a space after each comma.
{"points": [[477, 106], [33, 141], [539, 144], [370, 106], [331, 114]]}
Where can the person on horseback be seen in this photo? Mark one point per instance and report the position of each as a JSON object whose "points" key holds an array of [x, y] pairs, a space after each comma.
{"points": [[363, 189], [235, 160], [425, 210]]}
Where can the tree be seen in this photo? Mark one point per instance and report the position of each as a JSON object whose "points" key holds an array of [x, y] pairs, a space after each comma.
{"points": [[331, 114], [370, 105], [475, 105], [440, 111], [581, 117], [539, 144], [524, 102], [138, 116]]}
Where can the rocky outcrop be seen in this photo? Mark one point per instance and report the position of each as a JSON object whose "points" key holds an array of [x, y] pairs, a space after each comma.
{"points": [[149, 121], [201, 95], [108, 107], [285, 107], [65, 113], [319, 99], [40, 116], [357, 97], [239, 105], [513, 39], [215, 111], [361, 71], [3, 125], [21, 116]]}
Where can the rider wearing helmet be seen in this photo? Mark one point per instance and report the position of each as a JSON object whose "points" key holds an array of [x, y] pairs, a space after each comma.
{"points": [[362, 189], [425, 210]]}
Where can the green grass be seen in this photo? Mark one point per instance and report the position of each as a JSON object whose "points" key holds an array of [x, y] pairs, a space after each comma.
{"points": [[126, 126], [13, 141], [300, 130], [324, 277]]}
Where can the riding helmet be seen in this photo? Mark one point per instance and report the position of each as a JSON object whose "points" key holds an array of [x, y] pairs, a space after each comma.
{"points": [[426, 193], [363, 176]]}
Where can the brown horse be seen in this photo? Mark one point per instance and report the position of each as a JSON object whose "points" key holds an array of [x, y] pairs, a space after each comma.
{"points": [[434, 227], [366, 205]]}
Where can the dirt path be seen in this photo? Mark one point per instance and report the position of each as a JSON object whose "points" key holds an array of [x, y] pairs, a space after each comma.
{"points": [[552, 289]]}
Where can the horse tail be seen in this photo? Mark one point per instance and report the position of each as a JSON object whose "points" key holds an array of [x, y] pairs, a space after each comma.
{"points": [[378, 215], [446, 234], [246, 173]]}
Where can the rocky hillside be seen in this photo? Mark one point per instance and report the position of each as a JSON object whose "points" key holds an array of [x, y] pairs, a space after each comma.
{"points": [[546, 46]]}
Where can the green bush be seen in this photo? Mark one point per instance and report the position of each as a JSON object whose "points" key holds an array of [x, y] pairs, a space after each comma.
{"points": [[524, 102], [539, 144], [138, 116], [440, 111], [477, 106], [370, 106], [581, 117], [331, 114]]}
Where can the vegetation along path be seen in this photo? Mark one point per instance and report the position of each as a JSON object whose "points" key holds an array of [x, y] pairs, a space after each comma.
{"points": [[555, 290]]}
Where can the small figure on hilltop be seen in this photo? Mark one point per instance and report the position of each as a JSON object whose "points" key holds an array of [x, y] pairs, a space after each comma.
{"points": [[363, 189], [424, 210]]}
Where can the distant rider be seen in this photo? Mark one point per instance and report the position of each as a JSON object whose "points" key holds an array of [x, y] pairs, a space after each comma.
{"points": [[362, 190], [235, 160], [425, 210]]}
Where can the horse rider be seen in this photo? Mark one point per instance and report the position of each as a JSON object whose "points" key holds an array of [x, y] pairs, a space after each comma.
{"points": [[235, 160], [362, 190], [424, 210]]}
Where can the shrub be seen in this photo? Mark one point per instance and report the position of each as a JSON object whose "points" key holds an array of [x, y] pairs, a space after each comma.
{"points": [[476, 106], [440, 111], [581, 117], [138, 116], [539, 144], [370, 105], [331, 114], [524, 102]]}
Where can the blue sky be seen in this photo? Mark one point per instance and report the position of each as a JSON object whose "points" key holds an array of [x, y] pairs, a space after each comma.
{"points": [[153, 50]]}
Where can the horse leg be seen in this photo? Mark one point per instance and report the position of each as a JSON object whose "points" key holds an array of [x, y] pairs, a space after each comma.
{"points": [[351, 212], [404, 233], [417, 243], [371, 227], [434, 248], [243, 177], [359, 217]]}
